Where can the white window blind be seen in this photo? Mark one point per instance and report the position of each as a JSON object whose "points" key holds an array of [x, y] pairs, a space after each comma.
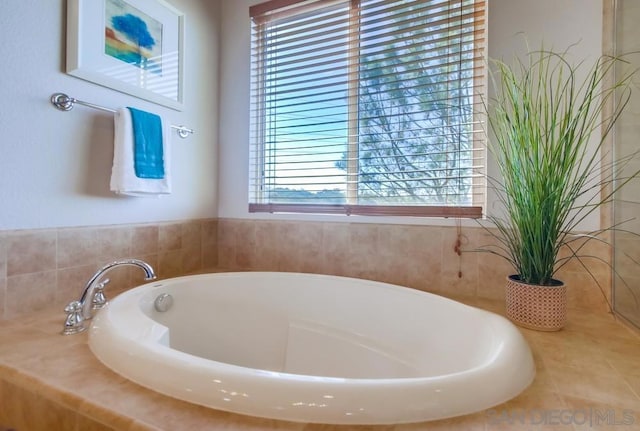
{"points": [[368, 107]]}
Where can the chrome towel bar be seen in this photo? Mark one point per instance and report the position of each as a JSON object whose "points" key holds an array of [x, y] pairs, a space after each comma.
{"points": [[66, 103]]}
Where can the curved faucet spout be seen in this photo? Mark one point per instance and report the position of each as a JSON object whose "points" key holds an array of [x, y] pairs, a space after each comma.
{"points": [[87, 293]]}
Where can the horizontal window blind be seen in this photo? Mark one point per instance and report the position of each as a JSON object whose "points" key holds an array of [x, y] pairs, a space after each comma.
{"points": [[368, 107]]}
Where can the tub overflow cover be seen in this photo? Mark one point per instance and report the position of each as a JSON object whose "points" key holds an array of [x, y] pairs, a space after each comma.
{"points": [[163, 302]]}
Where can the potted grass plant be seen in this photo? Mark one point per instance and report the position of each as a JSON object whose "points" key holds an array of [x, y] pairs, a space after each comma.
{"points": [[548, 123]]}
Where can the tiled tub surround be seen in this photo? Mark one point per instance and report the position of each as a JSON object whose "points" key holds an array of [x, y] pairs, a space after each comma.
{"points": [[50, 382], [592, 364], [39, 268], [422, 257]]}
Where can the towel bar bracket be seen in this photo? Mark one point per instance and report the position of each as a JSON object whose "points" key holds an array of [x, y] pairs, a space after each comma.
{"points": [[62, 101], [66, 103]]}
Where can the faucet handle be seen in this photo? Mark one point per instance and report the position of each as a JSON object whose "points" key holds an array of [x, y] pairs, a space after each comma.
{"points": [[99, 300], [74, 322]]}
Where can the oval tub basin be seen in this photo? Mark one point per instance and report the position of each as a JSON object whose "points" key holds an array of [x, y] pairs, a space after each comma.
{"points": [[312, 348]]}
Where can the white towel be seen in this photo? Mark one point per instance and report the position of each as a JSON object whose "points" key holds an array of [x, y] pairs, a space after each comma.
{"points": [[123, 177]]}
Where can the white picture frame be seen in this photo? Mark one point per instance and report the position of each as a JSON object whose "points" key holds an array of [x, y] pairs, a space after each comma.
{"points": [[132, 46]]}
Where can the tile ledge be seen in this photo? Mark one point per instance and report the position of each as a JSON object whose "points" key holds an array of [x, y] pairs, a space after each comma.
{"points": [[49, 323]]}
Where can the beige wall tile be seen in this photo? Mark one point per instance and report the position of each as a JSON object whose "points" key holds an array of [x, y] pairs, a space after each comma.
{"points": [[626, 214], [627, 297], [392, 259], [114, 243], [227, 243], [372, 266], [210, 257], [492, 269], [364, 259], [459, 274], [136, 275], [594, 254], [335, 248], [31, 252], [77, 247], [395, 269], [245, 245], [425, 256], [627, 282], [363, 239], [395, 239], [3, 295], [421, 257], [169, 264], [583, 291], [459, 284], [191, 246], [27, 293], [120, 279], [3, 255], [587, 262], [591, 363], [170, 237], [144, 240], [74, 254], [425, 241], [492, 276], [71, 283], [268, 244], [209, 238], [301, 247]]}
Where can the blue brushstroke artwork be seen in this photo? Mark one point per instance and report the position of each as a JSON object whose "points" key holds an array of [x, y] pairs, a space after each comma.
{"points": [[133, 36]]}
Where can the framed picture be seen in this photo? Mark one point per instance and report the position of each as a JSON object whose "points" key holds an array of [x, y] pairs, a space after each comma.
{"points": [[133, 46]]}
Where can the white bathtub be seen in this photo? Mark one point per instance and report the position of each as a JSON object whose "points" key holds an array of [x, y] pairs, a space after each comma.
{"points": [[313, 348]]}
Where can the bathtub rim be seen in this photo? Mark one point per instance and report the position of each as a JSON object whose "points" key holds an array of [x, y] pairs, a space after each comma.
{"points": [[143, 346]]}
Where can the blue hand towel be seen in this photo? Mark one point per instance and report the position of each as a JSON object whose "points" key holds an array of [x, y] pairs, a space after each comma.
{"points": [[147, 144], [123, 174]]}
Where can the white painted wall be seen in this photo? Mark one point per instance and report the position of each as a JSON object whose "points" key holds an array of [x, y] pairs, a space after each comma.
{"points": [[55, 166], [556, 23]]}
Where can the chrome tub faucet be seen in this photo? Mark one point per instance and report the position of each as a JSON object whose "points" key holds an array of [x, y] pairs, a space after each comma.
{"points": [[93, 295]]}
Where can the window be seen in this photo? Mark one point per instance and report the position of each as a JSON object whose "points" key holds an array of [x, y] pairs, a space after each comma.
{"points": [[367, 107]]}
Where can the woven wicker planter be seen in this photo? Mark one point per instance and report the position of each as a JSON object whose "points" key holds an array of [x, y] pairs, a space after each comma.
{"points": [[543, 308]]}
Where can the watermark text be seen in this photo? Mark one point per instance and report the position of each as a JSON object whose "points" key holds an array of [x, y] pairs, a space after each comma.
{"points": [[584, 416]]}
